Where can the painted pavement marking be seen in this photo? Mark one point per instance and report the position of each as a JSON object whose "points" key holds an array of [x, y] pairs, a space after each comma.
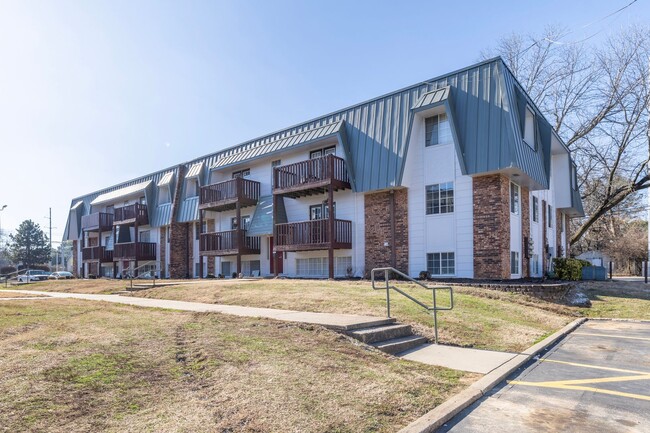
{"points": [[590, 334], [576, 384]]}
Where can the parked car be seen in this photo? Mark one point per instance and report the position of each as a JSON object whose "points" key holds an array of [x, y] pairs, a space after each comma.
{"points": [[33, 275], [61, 275]]}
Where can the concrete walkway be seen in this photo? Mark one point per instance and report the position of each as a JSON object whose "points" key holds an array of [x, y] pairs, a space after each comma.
{"points": [[457, 358], [340, 322]]}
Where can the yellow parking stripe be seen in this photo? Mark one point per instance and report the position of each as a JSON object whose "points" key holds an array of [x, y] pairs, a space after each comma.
{"points": [[584, 388], [611, 336], [576, 364], [597, 380]]}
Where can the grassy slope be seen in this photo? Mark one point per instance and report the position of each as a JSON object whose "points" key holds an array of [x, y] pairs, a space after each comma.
{"points": [[622, 300], [80, 366], [482, 319]]}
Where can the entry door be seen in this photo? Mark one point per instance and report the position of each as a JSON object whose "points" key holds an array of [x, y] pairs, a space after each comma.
{"points": [[274, 257]]}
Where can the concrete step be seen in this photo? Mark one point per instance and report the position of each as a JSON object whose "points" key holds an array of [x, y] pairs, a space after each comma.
{"points": [[363, 325], [381, 333], [397, 345]]}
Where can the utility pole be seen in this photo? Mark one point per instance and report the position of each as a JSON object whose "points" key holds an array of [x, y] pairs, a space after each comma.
{"points": [[50, 218]]}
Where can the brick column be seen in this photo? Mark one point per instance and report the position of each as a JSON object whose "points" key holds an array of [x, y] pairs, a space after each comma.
{"points": [[567, 234], [525, 232], [378, 230], [163, 251], [75, 258], [178, 253], [491, 197]]}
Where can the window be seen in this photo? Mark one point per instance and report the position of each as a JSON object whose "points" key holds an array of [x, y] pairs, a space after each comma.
{"points": [[549, 218], [535, 264], [440, 198], [322, 152], [250, 266], [164, 196], [312, 267], [320, 211], [529, 128], [241, 173], [535, 209], [110, 209], [192, 188], [437, 130], [274, 164], [514, 262], [197, 270], [245, 220], [145, 236], [225, 269], [143, 200], [342, 265], [441, 263], [514, 198], [562, 221]]}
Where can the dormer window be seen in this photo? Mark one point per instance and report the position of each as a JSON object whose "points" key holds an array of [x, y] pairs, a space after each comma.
{"points": [[437, 130], [164, 195], [192, 188], [529, 128]]}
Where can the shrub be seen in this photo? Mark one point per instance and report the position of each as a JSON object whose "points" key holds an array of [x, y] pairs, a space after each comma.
{"points": [[424, 275], [569, 269]]}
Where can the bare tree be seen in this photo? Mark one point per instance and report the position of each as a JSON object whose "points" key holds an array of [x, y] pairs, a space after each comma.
{"points": [[596, 98]]}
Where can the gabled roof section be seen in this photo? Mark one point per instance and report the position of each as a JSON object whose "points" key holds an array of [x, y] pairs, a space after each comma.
{"points": [[431, 99], [76, 205], [276, 144], [195, 170], [120, 193], [166, 179]]}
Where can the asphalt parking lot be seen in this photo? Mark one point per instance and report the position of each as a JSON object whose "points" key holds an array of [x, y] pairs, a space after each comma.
{"points": [[595, 380]]}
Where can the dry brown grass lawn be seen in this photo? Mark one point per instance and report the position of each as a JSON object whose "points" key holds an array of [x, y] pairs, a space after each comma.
{"points": [[15, 295], [79, 366], [481, 318], [617, 299]]}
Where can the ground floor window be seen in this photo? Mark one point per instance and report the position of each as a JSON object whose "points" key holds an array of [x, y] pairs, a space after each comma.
{"points": [[441, 263], [225, 269], [535, 264], [319, 266], [514, 262], [248, 268]]}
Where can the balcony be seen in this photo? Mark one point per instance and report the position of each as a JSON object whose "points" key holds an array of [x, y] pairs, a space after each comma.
{"points": [[135, 251], [313, 176], [98, 221], [96, 254], [225, 195], [313, 235], [132, 214], [228, 243]]}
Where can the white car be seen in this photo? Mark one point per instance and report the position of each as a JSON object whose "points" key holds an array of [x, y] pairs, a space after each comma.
{"points": [[32, 275], [61, 275]]}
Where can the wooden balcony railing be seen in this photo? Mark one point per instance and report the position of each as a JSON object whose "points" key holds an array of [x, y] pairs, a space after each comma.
{"points": [[96, 254], [98, 221], [312, 176], [225, 195], [131, 214], [228, 243], [135, 251], [313, 235]]}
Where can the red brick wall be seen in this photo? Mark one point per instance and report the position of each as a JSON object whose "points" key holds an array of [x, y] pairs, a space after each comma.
{"points": [[178, 233], [163, 251], [75, 258], [491, 197], [525, 231], [378, 230]]}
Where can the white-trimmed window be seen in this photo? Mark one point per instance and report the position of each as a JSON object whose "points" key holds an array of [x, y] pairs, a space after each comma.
{"points": [[535, 264], [322, 152], [440, 198], [312, 267], [535, 209], [441, 263], [514, 262], [549, 217], [514, 198], [437, 130], [342, 265], [192, 188], [529, 128], [241, 173], [164, 195]]}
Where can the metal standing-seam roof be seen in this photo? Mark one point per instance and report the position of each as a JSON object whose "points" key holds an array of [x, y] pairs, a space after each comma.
{"points": [[119, 193], [262, 221], [431, 98], [195, 170], [166, 179], [280, 143]]}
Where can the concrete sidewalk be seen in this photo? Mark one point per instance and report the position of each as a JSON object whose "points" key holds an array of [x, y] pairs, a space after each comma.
{"points": [[340, 322]]}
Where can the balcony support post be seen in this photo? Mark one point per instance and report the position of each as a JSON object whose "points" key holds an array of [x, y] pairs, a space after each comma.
{"points": [[200, 233], [275, 227], [330, 228], [135, 235], [238, 233]]}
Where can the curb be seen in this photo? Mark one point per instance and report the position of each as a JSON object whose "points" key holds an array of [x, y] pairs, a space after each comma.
{"points": [[435, 418]]}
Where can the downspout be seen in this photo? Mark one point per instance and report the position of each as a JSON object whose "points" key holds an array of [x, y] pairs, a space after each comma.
{"points": [[393, 253]]}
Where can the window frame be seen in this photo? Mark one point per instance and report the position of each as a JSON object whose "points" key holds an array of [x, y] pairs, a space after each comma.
{"points": [[535, 207], [529, 130], [515, 199], [515, 260], [433, 123], [549, 216], [450, 258], [434, 203], [244, 172], [192, 184], [319, 153]]}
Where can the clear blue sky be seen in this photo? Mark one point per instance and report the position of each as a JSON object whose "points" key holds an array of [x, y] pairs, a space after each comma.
{"points": [[93, 93]]}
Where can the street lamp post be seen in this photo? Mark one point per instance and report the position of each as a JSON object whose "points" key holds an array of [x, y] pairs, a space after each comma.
{"points": [[3, 207]]}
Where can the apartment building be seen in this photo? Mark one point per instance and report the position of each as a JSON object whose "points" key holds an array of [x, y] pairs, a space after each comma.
{"points": [[460, 176]]}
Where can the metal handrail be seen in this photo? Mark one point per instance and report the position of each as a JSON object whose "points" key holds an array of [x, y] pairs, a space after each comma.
{"points": [[432, 308], [131, 269], [15, 273]]}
